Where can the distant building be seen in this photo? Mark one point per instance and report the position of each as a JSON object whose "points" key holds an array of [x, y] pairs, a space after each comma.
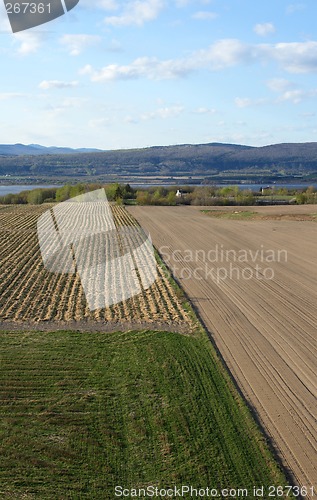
{"points": [[266, 190], [180, 193]]}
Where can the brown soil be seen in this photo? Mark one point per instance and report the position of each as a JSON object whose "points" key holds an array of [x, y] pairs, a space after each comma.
{"points": [[92, 326], [264, 328]]}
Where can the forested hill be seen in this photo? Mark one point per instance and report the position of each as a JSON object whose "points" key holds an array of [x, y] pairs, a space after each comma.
{"points": [[204, 160]]}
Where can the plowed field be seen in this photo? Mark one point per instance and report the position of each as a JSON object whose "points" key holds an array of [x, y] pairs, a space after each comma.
{"points": [[254, 283], [32, 296]]}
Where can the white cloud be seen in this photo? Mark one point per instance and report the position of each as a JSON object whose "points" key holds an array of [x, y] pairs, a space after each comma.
{"points": [[74, 102], [66, 104], [242, 102], [297, 95], [295, 7], [223, 54], [137, 12], [5, 96], [184, 3], [220, 55], [279, 84], [181, 3], [30, 42], [204, 15], [86, 70], [56, 84], [75, 44], [264, 29], [114, 46], [100, 4], [307, 115], [203, 110], [130, 120], [99, 122], [147, 67], [289, 92], [245, 102], [297, 57], [166, 112]]}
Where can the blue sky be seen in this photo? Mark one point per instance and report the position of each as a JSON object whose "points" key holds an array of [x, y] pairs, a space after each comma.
{"points": [[119, 74]]}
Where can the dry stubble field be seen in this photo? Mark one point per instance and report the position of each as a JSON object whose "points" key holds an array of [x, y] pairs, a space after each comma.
{"points": [[31, 297], [264, 328]]}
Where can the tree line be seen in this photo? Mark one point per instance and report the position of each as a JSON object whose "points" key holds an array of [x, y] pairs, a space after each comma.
{"points": [[37, 196], [160, 195]]}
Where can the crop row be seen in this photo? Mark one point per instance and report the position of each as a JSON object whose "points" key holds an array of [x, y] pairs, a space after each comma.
{"points": [[30, 292]]}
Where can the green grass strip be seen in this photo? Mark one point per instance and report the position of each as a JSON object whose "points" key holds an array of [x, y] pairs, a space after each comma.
{"points": [[84, 412]]}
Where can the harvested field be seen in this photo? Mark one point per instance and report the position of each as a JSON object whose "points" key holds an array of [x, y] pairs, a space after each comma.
{"points": [[263, 322], [31, 295]]}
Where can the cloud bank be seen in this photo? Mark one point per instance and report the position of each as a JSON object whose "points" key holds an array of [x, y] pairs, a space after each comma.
{"points": [[293, 57]]}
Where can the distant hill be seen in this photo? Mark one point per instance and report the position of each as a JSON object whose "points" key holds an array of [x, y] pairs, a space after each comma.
{"points": [[204, 162], [36, 149]]}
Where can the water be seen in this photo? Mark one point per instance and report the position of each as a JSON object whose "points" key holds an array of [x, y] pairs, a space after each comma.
{"points": [[14, 189], [252, 187], [257, 187]]}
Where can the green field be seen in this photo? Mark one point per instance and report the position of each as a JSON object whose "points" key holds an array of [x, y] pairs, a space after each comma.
{"points": [[249, 215], [84, 412], [232, 215]]}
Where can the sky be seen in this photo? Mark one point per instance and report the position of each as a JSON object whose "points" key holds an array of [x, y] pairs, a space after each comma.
{"points": [[114, 74]]}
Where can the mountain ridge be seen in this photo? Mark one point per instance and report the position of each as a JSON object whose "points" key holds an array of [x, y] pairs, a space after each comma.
{"points": [[19, 149], [210, 161]]}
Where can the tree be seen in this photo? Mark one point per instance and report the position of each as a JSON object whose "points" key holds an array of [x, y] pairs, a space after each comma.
{"points": [[227, 191], [63, 193], [143, 198], [35, 197], [128, 192], [171, 198], [114, 191], [311, 194], [301, 198]]}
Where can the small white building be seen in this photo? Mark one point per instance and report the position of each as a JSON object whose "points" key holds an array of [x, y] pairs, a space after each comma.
{"points": [[180, 193]]}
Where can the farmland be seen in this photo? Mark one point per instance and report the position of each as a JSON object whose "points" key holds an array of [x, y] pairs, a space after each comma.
{"points": [[98, 403], [264, 325], [84, 412], [30, 294]]}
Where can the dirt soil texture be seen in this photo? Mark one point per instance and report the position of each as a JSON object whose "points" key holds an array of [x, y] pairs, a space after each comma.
{"points": [[254, 284]]}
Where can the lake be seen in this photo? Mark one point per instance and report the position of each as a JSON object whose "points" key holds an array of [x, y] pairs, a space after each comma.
{"points": [[257, 187], [22, 187], [17, 188], [253, 187]]}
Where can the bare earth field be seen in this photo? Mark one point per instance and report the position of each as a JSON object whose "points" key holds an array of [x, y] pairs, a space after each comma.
{"points": [[254, 284]]}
